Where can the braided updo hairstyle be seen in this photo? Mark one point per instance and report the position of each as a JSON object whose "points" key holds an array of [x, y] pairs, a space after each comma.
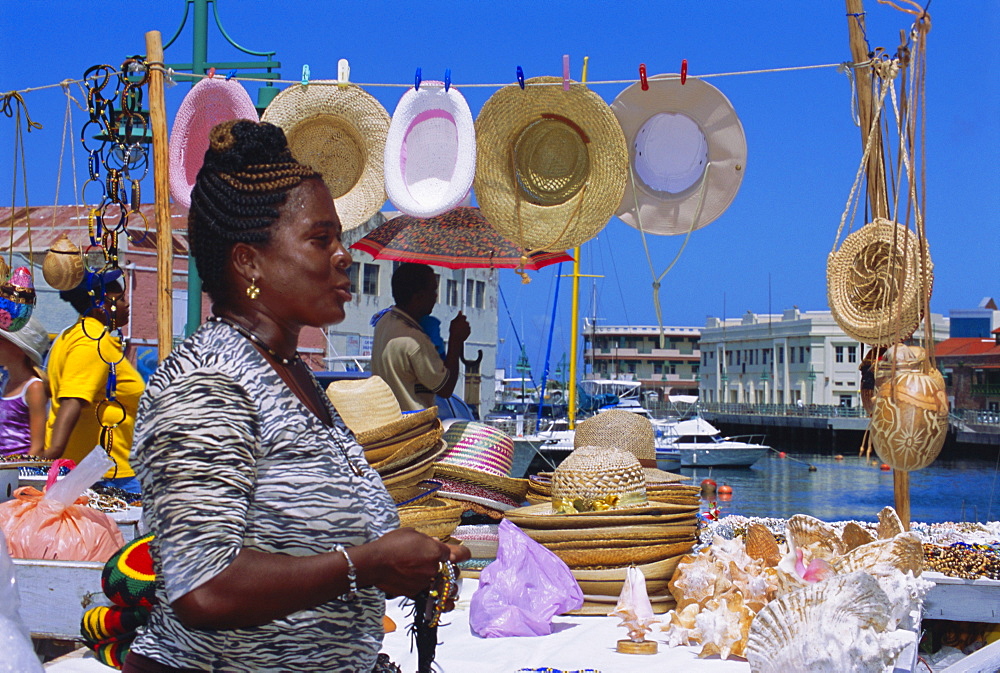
{"points": [[247, 174]]}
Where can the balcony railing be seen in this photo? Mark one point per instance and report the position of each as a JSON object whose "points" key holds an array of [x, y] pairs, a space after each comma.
{"points": [[986, 390]]}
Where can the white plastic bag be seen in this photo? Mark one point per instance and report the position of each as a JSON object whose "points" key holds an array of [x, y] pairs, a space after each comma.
{"points": [[18, 655]]}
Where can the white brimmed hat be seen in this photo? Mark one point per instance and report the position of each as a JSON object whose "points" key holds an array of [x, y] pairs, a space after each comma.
{"points": [[340, 132], [211, 101], [687, 152], [430, 152], [32, 339]]}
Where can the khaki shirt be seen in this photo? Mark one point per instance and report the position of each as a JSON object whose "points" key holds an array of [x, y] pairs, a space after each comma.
{"points": [[405, 358]]}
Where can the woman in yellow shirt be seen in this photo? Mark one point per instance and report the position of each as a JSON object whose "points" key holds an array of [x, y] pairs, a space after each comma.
{"points": [[83, 403]]}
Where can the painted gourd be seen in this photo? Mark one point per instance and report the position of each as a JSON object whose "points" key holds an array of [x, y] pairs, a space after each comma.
{"points": [[910, 419], [17, 300], [63, 265]]}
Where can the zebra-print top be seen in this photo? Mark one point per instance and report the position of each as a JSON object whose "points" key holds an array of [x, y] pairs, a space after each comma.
{"points": [[228, 458]]}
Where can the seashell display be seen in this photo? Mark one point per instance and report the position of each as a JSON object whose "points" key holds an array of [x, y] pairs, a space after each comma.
{"points": [[889, 524], [761, 545], [810, 533], [854, 536], [697, 579], [910, 418], [903, 553], [17, 299], [679, 625], [63, 267], [723, 626], [836, 625], [634, 608]]}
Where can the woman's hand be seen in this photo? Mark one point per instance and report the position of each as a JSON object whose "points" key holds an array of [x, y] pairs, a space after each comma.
{"points": [[403, 562]]}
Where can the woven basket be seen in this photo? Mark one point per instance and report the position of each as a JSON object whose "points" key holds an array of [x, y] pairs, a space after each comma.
{"points": [[619, 543], [62, 267], [614, 557], [435, 517], [658, 570], [543, 517], [874, 283], [623, 533], [593, 473]]}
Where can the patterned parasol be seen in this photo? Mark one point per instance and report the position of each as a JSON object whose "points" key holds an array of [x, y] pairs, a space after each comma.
{"points": [[458, 239]]}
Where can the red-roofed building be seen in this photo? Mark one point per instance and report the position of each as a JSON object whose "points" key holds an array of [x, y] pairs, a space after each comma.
{"points": [[971, 368]]}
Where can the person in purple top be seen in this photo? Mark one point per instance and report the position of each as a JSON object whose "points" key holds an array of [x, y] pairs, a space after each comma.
{"points": [[23, 406]]}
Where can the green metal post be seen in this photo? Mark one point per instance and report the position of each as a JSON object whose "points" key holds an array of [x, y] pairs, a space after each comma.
{"points": [[199, 57]]}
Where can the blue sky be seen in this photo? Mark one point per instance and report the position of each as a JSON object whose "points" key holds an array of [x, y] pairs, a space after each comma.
{"points": [[803, 148]]}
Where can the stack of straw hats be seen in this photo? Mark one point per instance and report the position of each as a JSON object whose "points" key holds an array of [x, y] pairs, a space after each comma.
{"points": [[401, 447], [600, 521], [474, 471]]}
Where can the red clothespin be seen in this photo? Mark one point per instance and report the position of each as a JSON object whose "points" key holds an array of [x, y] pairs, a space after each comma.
{"points": [[565, 72], [642, 77], [211, 73], [684, 71]]}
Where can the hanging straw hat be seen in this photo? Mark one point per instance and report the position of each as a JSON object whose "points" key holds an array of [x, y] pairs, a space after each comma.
{"points": [[430, 151], [211, 101], [480, 455], [687, 152], [551, 164], [874, 283], [621, 429], [341, 133], [32, 339]]}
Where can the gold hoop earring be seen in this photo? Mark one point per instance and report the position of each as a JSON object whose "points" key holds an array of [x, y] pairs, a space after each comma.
{"points": [[252, 290]]}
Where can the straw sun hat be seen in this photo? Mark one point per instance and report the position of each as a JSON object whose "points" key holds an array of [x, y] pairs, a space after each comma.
{"points": [[430, 152], [341, 133], [476, 467], [625, 430], [551, 164], [873, 283], [32, 339], [687, 151], [211, 101]]}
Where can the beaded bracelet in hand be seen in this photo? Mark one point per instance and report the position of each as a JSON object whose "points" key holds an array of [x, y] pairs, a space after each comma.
{"points": [[352, 575], [443, 589]]}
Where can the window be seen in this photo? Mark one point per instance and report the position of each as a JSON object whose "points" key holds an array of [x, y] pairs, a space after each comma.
{"points": [[480, 294], [838, 353], [738, 358], [631, 368], [451, 292], [470, 291], [369, 284], [657, 367], [852, 354], [729, 358], [672, 369], [765, 354], [781, 355], [352, 273], [846, 401]]}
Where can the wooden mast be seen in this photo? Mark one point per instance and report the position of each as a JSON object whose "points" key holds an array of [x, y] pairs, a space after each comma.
{"points": [[161, 185]]}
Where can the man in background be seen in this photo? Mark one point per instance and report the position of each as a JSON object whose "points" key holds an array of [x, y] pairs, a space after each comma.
{"points": [[403, 354]]}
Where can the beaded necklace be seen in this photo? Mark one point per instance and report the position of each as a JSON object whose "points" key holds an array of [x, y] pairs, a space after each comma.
{"points": [[256, 340]]}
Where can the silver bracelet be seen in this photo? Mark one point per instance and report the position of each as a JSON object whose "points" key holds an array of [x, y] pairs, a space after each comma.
{"points": [[352, 575]]}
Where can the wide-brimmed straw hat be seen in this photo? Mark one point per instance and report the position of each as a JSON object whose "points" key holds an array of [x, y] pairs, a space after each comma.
{"points": [[430, 151], [370, 409], [481, 455], [32, 339], [598, 478], [625, 430], [874, 283], [340, 132], [687, 152], [551, 164], [211, 101]]}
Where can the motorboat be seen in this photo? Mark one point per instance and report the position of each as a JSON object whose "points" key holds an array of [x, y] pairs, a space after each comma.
{"points": [[696, 442]]}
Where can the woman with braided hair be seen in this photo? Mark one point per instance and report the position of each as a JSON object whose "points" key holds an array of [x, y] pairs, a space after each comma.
{"points": [[275, 543]]}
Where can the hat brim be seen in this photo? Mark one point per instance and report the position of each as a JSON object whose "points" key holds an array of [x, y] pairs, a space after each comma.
{"points": [[703, 202], [457, 490], [557, 227], [211, 101], [329, 127], [514, 488], [429, 170], [543, 516]]}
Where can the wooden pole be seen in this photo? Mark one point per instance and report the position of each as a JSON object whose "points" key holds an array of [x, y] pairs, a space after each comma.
{"points": [[161, 184], [877, 192]]}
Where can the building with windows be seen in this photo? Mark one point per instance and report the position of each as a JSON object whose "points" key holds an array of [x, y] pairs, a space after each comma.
{"points": [[970, 358], [472, 291], [791, 358], [667, 364]]}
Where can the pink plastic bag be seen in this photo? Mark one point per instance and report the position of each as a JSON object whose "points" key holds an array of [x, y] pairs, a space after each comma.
{"points": [[523, 589], [41, 527]]}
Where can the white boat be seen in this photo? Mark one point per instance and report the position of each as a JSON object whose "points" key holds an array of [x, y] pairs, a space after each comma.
{"points": [[699, 443]]}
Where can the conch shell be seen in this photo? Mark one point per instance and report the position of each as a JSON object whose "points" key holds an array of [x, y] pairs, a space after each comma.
{"points": [[62, 267], [723, 626], [634, 608]]}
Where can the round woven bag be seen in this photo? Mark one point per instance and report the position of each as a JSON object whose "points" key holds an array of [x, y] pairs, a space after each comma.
{"points": [[874, 283], [598, 478], [62, 267]]}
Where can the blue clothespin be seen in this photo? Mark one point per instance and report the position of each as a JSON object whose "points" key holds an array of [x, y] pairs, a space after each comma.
{"points": [[305, 75], [417, 79], [520, 77], [447, 79], [232, 73]]}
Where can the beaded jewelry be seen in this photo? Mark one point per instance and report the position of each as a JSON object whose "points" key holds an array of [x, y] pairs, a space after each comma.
{"points": [[256, 340], [444, 589], [352, 575]]}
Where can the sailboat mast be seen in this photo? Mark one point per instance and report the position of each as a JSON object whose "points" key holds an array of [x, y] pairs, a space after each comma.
{"points": [[574, 338]]}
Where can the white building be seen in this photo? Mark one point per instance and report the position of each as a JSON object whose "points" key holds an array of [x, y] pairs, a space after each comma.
{"points": [[798, 356], [472, 291]]}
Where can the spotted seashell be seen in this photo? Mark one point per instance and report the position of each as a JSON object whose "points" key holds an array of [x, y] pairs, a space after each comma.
{"points": [[839, 624], [17, 300], [809, 532], [762, 546], [854, 536], [63, 267], [889, 524]]}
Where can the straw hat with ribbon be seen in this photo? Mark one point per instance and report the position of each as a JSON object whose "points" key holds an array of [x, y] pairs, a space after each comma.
{"points": [[211, 101], [430, 151], [687, 153], [476, 467], [340, 131], [625, 430], [874, 281], [551, 164]]}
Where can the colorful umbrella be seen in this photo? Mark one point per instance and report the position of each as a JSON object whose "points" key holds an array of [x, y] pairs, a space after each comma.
{"points": [[458, 239]]}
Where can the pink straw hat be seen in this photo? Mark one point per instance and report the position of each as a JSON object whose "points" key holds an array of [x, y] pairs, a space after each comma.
{"points": [[211, 101], [483, 455]]}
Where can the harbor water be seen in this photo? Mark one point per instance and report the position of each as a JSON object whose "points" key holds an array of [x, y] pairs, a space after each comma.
{"points": [[855, 488]]}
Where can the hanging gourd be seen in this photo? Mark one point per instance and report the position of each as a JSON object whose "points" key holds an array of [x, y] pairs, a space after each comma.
{"points": [[17, 299], [62, 267], [910, 418]]}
